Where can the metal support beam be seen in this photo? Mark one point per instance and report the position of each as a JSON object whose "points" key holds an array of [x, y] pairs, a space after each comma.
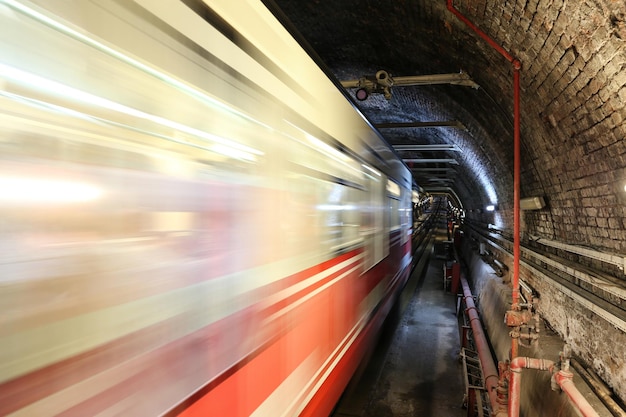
{"points": [[431, 161], [382, 82], [434, 170], [460, 78], [427, 148], [452, 123], [457, 78]]}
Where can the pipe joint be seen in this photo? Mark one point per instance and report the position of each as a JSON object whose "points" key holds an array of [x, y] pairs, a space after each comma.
{"points": [[563, 376], [468, 309]]}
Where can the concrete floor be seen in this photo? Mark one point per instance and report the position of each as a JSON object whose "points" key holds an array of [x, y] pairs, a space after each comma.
{"points": [[415, 369]]}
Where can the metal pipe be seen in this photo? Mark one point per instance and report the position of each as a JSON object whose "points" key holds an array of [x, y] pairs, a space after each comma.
{"points": [[517, 65], [601, 391], [490, 372], [564, 379], [402, 125], [516, 366], [516, 202], [500, 49]]}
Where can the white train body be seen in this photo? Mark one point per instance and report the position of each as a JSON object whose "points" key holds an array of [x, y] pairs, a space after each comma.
{"points": [[195, 220]]}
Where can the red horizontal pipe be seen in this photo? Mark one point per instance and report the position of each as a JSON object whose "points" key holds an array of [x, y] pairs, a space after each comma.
{"points": [[490, 372], [564, 379], [516, 366]]}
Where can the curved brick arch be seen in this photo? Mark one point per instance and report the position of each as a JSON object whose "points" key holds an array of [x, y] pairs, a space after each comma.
{"points": [[573, 98]]}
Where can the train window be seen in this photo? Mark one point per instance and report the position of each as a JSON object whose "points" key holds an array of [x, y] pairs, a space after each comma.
{"points": [[339, 206], [376, 221], [393, 193], [394, 214]]}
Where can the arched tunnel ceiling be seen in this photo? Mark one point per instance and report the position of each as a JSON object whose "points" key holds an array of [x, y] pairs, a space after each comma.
{"points": [[572, 99]]}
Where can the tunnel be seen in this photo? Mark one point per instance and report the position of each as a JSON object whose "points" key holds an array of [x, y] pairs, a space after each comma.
{"points": [[459, 140], [237, 208]]}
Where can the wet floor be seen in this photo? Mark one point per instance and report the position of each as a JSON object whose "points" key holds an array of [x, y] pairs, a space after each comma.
{"points": [[415, 370]]}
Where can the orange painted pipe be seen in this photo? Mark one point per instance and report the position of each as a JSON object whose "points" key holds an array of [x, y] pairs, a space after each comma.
{"points": [[565, 381], [516, 366]]}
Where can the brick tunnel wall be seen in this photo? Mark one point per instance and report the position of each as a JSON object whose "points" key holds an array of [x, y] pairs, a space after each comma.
{"points": [[573, 90], [573, 106], [573, 111]]}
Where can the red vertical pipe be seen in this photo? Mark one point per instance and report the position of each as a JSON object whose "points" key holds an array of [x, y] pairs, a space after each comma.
{"points": [[517, 66], [516, 202], [563, 378], [516, 366]]}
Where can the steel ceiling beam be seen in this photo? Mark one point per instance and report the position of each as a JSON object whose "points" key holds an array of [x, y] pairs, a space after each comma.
{"points": [[384, 78], [427, 148], [404, 125], [382, 82], [434, 169], [431, 161]]}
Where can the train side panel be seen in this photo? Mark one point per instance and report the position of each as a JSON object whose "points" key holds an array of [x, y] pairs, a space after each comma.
{"points": [[195, 221]]}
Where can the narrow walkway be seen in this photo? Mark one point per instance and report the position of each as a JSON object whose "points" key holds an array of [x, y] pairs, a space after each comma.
{"points": [[415, 369]]}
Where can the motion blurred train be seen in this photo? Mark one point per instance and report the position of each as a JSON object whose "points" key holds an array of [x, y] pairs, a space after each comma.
{"points": [[195, 219]]}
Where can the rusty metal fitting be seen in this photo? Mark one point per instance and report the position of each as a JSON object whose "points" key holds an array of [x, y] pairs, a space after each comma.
{"points": [[517, 318], [528, 336], [559, 378], [502, 395], [565, 355]]}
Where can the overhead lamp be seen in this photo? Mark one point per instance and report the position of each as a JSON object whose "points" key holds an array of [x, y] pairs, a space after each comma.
{"points": [[491, 207]]}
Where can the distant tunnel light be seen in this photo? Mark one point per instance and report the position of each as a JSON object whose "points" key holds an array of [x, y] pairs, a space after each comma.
{"points": [[28, 190], [490, 207]]}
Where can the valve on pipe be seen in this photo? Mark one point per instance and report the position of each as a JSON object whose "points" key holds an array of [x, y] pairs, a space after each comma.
{"points": [[523, 319]]}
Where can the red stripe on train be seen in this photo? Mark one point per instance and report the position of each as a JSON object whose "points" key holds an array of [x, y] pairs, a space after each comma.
{"points": [[230, 399]]}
